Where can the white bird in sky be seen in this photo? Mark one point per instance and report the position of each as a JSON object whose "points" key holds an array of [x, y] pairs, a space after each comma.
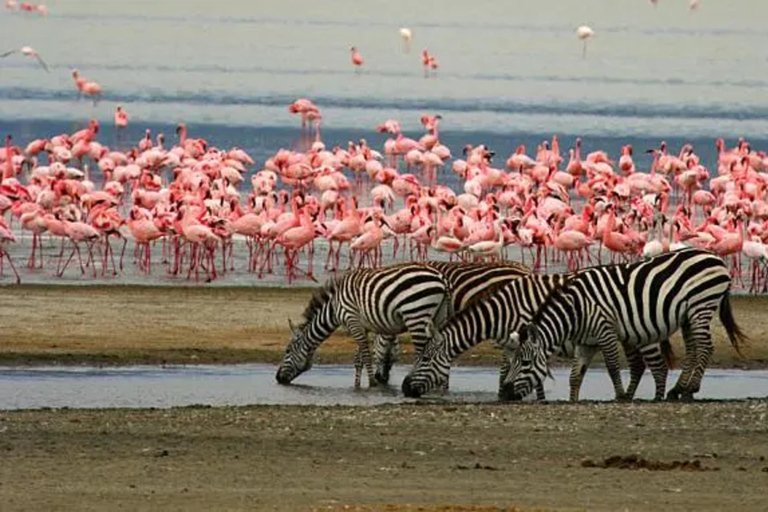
{"points": [[27, 51], [584, 33]]}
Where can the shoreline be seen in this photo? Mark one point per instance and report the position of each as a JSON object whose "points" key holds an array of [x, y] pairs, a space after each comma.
{"points": [[118, 325]]}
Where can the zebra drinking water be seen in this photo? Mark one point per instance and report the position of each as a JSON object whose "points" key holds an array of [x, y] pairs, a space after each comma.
{"points": [[493, 317], [386, 300], [496, 317], [638, 304], [468, 282]]}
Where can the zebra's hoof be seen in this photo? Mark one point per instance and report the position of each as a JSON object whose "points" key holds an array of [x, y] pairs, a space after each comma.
{"points": [[673, 395]]}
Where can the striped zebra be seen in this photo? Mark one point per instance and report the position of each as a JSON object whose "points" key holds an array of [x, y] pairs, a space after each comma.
{"points": [[640, 304], [386, 300], [494, 317], [468, 282]]}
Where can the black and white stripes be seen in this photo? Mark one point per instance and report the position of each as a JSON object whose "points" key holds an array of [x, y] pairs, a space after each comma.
{"points": [[388, 301], [468, 282], [494, 317], [638, 305]]}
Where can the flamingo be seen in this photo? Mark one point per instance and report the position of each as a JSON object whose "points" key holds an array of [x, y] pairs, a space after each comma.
{"points": [[357, 59], [405, 38], [87, 87], [584, 33], [121, 118], [28, 51], [6, 235]]}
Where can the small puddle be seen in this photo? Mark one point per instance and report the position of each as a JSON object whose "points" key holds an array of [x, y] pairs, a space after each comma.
{"points": [[155, 386]]}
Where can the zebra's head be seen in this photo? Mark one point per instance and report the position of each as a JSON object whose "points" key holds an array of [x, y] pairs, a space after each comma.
{"points": [[298, 355], [431, 369], [528, 365]]}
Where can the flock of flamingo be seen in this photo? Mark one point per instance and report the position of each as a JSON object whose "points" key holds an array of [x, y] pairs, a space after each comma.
{"points": [[192, 199]]}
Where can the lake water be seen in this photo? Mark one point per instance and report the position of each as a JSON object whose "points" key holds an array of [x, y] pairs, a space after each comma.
{"points": [[151, 386], [510, 72]]}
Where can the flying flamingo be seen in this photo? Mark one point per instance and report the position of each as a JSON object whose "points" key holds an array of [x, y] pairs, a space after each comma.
{"points": [[357, 59], [584, 33], [28, 51]]}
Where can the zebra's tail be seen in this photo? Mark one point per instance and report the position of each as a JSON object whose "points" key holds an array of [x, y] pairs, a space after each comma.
{"points": [[668, 354], [735, 334]]}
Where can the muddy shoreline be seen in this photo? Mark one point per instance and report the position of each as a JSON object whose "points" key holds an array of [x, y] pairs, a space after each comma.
{"points": [[123, 325]]}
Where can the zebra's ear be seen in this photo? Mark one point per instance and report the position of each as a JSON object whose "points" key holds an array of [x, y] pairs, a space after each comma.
{"points": [[291, 326]]}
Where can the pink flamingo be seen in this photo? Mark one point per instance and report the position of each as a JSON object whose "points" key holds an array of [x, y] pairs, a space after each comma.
{"points": [[7, 236], [616, 242], [87, 87], [357, 59], [121, 118], [80, 232], [295, 239], [368, 244]]}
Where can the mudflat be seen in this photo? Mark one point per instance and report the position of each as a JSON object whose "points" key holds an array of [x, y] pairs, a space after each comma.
{"points": [[186, 325], [558, 456]]}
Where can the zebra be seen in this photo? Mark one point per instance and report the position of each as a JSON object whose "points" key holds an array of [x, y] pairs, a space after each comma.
{"points": [[468, 282], [494, 317], [498, 316], [387, 300], [640, 304]]}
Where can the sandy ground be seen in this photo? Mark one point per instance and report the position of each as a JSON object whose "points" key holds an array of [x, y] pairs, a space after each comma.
{"points": [[700, 456], [136, 324], [533, 456]]}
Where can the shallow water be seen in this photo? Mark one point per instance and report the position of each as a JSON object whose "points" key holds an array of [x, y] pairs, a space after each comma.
{"points": [[150, 386], [513, 66]]}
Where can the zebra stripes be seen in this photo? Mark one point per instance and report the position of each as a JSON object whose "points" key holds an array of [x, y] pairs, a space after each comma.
{"points": [[639, 304], [388, 300], [493, 317], [468, 282]]}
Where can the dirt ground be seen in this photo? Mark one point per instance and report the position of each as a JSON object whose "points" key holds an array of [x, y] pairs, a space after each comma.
{"points": [[426, 456], [404, 457], [182, 325]]}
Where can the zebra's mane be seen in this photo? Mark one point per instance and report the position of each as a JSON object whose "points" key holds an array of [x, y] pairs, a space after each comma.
{"points": [[319, 298]]}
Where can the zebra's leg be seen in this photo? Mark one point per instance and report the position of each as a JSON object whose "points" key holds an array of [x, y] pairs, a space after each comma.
{"points": [[503, 371], [358, 366], [636, 369], [385, 351], [690, 361], [584, 355], [364, 359], [702, 340], [653, 356], [609, 344]]}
